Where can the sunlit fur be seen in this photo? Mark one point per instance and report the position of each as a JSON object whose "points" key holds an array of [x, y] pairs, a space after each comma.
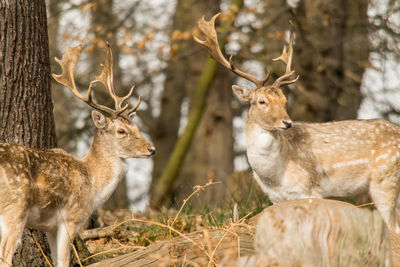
{"points": [[321, 232], [321, 160], [55, 192]]}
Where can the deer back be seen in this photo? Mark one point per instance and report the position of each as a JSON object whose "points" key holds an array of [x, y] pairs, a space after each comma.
{"points": [[43, 180], [320, 232]]}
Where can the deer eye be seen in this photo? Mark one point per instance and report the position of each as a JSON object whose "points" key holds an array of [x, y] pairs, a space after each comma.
{"points": [[261, 102], [121, 131]]}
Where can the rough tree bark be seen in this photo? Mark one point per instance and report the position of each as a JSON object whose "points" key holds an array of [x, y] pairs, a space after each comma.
{"points": [[25, 99]]}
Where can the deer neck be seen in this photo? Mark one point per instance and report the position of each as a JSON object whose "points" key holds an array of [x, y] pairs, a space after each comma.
{"points": [[265, 152], [105, 169]]}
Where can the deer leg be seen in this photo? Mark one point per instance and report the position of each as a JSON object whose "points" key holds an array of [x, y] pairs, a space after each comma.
{"points": [[11, 232], [65, 237], [384, 195], [52, 238]]}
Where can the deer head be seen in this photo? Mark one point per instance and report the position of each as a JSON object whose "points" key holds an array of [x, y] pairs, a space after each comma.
{"points": [[116, 130], [267, 102]]}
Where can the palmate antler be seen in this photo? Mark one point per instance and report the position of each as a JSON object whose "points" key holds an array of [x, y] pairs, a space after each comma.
{"points": [[286, 58], [66, 78], [211, 42]]}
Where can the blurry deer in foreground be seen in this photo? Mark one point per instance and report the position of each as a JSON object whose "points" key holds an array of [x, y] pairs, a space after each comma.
{"points": [[55, 192], [322, 232], [318, 232], [313, 160]]}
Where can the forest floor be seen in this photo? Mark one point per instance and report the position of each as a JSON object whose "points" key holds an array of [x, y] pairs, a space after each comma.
{"points": [[184, 236], [174, 237]]}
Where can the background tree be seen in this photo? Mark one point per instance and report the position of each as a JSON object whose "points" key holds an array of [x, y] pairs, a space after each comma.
{"points": [[104, 30], [331, 55], [183, 71], [179, 74], [25, 98], [62, 113]]}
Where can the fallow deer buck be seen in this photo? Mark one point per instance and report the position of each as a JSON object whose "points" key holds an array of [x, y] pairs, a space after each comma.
{"points": [[55, 192], [313, 160]]}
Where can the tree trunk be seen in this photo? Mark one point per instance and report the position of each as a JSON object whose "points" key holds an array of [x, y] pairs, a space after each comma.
{"points": [[25, 99], [330, 54], [164, 188], [356, 50], [183, 70], [211, 154]]}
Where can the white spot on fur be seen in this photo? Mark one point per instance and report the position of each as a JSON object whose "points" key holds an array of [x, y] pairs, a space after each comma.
{"points": [[350, 163], [383, 156]]}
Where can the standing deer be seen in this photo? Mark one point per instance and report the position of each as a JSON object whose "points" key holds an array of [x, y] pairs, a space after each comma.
{"points": [[313, 160], [55, 192]]}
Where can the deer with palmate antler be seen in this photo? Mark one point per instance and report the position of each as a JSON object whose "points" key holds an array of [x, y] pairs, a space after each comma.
{"points": [[313, 160], [55, 192]]}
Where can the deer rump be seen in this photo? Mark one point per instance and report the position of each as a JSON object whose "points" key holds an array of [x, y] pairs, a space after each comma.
{"points": [[36, 186]]}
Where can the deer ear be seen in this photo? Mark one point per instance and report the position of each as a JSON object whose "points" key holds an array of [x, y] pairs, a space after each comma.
{"points": [[243, 93], [99, 119]]}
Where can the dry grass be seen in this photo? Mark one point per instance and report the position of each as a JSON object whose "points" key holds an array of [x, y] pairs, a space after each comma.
{"points": [[140, 231]]}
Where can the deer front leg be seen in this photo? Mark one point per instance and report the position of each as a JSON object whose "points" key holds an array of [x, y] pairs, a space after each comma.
{"points": [[52, 238], [65, 237], [11, 232], [384, 194]]}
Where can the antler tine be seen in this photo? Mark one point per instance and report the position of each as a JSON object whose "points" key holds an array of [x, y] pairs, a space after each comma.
{"points": [[127, 97], [211, 42], [106, 78], [66, 78], [133, 109], [286, 58]]}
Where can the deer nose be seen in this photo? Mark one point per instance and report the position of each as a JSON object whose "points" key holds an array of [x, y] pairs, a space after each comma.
{"points": [[152, 150], [288, 124]]}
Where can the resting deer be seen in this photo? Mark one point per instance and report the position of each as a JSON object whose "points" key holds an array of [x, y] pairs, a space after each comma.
{"points": [[322, 232], [317, 232], [55, 192], [313, 160]]}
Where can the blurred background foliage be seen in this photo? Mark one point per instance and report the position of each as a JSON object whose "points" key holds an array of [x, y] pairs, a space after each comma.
{"points": [[347, 54]]}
